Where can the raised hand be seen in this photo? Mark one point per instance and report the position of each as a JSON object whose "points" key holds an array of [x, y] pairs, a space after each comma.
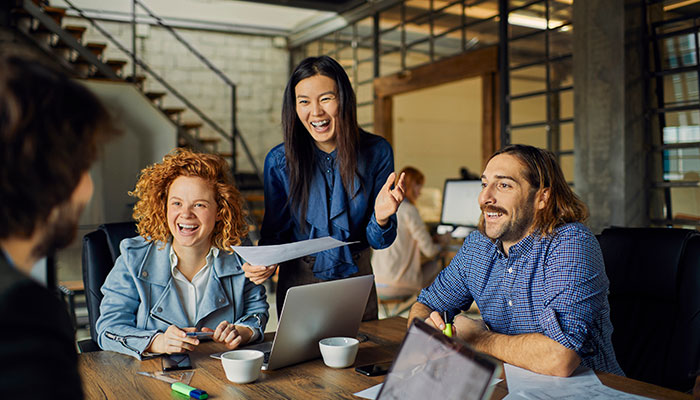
{"points": [[388, 199]]}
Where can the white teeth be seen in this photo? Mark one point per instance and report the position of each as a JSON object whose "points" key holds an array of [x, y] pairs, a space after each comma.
{"points": [[318, 124], [183, 226], [492, 214]]}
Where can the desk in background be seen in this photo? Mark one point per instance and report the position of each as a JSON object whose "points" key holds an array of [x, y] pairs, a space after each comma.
{"points": [[109, 375]]}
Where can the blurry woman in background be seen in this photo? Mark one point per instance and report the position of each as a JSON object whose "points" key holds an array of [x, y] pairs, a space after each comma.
{"points": [[181, 274], [398, 270], [328, 178]]}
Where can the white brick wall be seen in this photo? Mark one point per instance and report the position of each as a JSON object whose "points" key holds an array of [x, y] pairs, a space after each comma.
{"points": [[259, 70]]}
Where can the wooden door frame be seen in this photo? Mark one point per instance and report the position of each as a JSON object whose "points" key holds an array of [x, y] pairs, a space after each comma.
{"points": [[478, 63]]}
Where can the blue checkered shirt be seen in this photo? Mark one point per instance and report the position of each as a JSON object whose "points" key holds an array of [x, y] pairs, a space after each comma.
{"points": [[553, 285]]}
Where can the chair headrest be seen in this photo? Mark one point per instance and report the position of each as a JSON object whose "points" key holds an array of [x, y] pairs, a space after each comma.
{"points": [[116, 232]]}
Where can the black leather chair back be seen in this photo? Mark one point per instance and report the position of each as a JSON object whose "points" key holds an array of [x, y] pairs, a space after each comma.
{"points": [[654, 302], [100, 251]]}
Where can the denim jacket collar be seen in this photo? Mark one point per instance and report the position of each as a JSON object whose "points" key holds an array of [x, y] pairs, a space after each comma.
{"points": [[155, 270]]}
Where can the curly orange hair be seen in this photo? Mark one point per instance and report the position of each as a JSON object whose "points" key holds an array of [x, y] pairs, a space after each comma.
{"points": [[152, 193]]}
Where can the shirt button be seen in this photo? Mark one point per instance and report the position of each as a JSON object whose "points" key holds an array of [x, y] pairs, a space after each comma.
{"points": [[510, 270], [221, 300], [510, 303], [328, 170], [144, 274], [159, 309]]}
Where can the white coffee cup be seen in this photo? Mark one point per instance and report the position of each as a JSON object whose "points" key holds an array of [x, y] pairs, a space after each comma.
{"points": [[242, 366], [339, 352]]}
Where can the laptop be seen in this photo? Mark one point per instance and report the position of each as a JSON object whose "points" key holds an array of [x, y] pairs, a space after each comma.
{"points": [[430, 365], [313, 312]]}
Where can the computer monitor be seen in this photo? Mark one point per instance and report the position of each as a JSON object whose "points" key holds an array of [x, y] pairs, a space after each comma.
{"points": [[460, 206]]}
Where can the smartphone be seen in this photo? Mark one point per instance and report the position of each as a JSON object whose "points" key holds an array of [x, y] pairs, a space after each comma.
{"points": [[374, 369], [174, 362]]}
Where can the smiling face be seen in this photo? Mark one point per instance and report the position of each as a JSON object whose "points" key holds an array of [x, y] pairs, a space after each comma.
{"points": [[191, 213], [317, 107], [507, 201]]}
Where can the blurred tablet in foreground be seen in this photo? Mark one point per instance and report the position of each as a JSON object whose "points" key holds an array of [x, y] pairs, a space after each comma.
{"points": [[430, 365]]}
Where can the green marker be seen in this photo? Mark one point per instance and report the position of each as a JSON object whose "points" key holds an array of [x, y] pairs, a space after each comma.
{"points": [[448, 325], [189, 390]]}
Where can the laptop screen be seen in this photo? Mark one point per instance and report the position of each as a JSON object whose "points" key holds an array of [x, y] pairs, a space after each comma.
{"points": [[432, 366]]}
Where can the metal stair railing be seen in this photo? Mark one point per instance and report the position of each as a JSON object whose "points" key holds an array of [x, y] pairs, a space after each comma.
{"points": [[36, 12], [137, 61]]}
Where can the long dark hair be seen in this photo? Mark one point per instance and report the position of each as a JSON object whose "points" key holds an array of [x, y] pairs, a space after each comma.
{"points": [[299, 146], [542, 171]]}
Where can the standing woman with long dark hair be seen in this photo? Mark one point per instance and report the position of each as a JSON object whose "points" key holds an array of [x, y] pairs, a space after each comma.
{"points": [[328, 178]]}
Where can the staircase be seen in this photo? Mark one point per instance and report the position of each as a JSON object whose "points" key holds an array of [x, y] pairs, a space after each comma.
{"points": [[42, 25]]}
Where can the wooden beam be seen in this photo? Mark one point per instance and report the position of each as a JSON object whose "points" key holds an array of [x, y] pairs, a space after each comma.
{"points": [[383, 118], [472, 64]]}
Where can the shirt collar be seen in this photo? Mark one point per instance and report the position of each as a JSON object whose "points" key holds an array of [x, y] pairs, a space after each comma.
{"points": [[323, 156]]}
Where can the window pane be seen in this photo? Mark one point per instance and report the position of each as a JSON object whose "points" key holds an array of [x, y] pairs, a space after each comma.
{"points": [[566, 161], [566, 136], [678, 51], [566, 104], [680, 89], [527, 20], [682, 164], [365, 93], [561, 73], [448, 45], [529, 109], [561, 41], [685, 203], [418, 54], [527, 50], [482, 34], [365, 115], [560, 13], [447, 20], [533, 136], [527, 80], [681, 126], [390, 63]]}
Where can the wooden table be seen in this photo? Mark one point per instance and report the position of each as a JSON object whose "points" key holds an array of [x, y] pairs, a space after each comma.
{"points": [[109, 375]]}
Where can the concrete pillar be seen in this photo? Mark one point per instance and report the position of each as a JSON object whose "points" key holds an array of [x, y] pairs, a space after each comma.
{"points": [[610, 141]]}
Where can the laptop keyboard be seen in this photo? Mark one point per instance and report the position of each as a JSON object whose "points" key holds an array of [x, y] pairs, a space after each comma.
{"points": [[267, 357]]}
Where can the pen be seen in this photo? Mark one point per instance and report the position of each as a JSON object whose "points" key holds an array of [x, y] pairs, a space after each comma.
{"points": [[189, 390], [448, 325], [195, 334]]}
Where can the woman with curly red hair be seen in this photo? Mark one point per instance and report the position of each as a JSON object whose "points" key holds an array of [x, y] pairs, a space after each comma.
{"points": [[181, 274]]}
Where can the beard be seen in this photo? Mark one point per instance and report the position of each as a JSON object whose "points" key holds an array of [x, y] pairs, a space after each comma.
{"points": [[514, 229], [61, 229]]}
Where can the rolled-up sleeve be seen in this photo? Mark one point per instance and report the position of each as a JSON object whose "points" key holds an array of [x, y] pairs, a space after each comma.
{"points": [[576, 291]]}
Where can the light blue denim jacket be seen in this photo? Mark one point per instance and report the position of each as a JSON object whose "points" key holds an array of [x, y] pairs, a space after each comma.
{"points": [[141, 285]]}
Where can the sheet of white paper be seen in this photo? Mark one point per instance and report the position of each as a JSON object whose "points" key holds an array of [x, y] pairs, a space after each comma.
{"points": [[583, 384], [275, 254], [370, 393]]}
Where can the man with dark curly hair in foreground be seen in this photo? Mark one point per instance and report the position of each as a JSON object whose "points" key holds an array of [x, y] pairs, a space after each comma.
{"points": [[50, 131]]}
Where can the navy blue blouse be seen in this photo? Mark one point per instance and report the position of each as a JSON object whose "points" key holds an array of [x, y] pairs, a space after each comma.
{"points": [[331, 211]]}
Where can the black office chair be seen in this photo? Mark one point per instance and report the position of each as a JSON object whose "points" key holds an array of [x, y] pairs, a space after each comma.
{"points": [[100, 251], [655, 302]]}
